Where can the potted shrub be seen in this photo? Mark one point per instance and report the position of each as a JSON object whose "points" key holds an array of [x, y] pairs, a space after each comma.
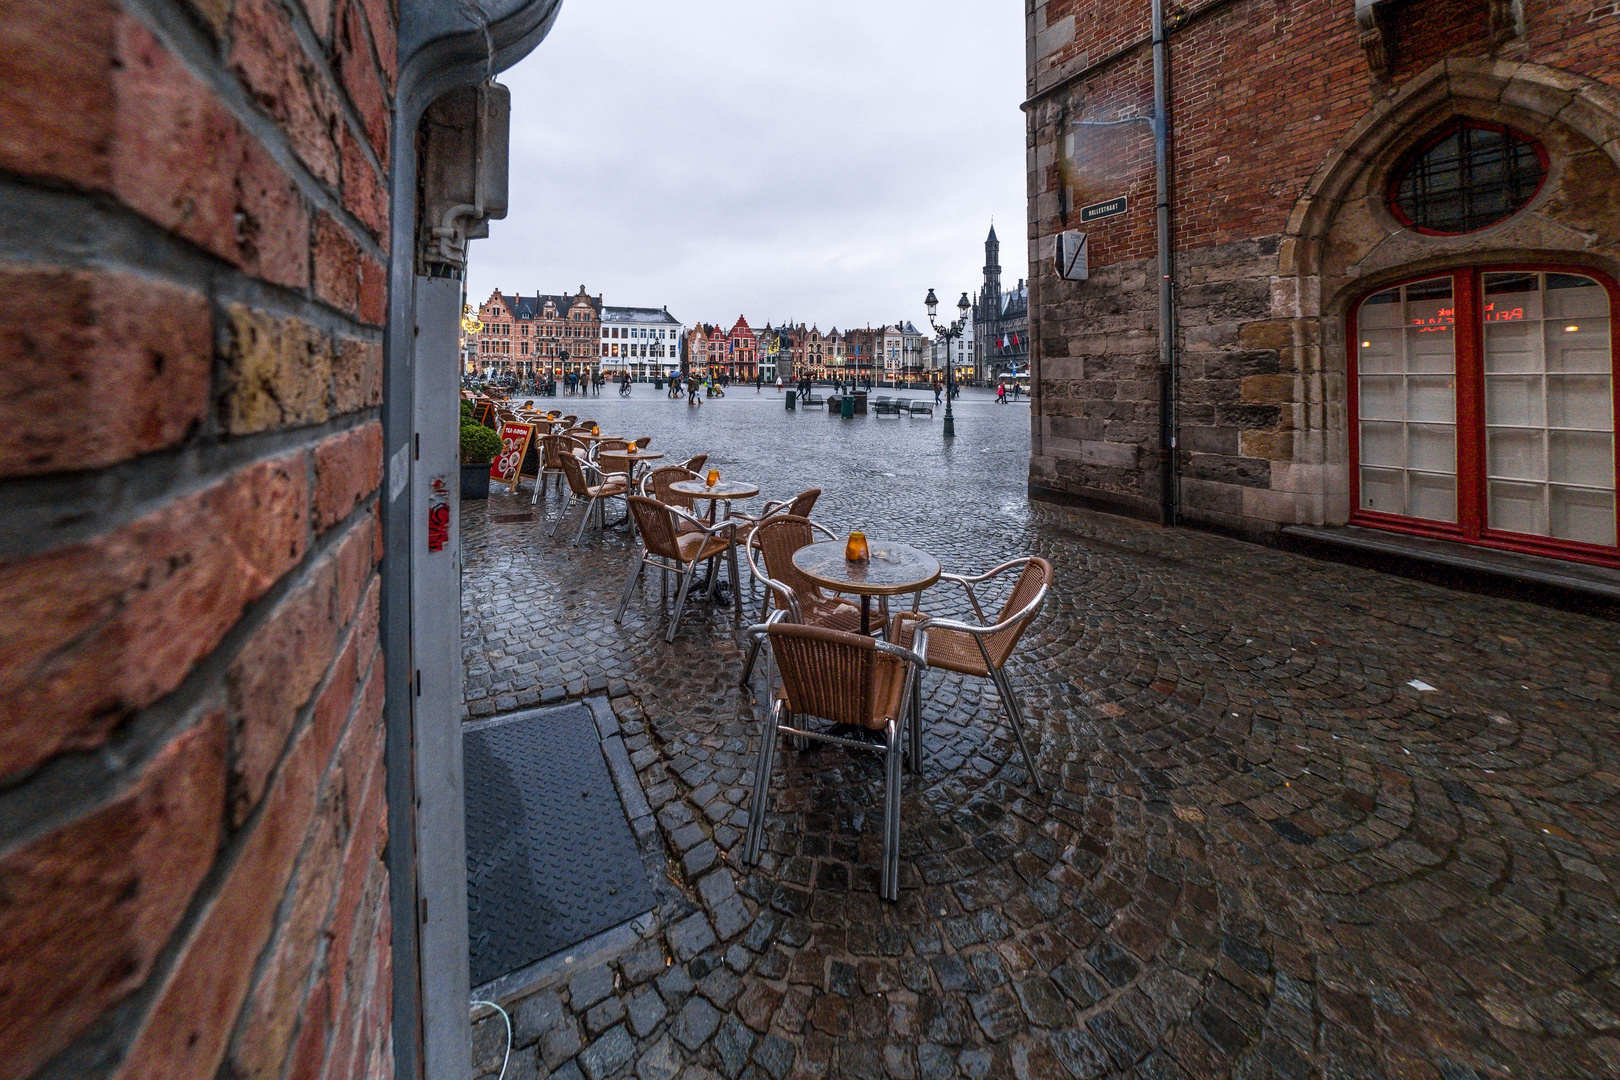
{"points": [[479, 445]]}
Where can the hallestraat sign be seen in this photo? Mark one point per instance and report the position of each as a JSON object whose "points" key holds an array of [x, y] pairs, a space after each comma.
{"points": [[1099, 210]]}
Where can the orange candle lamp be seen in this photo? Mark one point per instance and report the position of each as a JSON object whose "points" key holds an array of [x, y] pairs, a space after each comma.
{"points": [[856, 550]]}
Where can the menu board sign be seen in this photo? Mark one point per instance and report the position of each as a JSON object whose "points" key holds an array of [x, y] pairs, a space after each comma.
{"points": [[514, 444]]}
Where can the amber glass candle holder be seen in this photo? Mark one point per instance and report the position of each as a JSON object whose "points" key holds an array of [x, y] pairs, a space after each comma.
{"points": [[714, 477], [856, 550], [596, 429]]}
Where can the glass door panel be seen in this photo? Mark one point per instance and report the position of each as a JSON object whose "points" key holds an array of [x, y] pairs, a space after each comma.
{"points": [[1549, 416], [1407, 400]]}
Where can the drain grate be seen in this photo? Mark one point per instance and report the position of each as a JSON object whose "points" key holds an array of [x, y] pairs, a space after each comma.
{"points": [[551, 859]]}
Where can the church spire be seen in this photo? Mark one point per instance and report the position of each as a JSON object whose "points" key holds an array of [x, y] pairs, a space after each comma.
{"points": [[992, 263]]}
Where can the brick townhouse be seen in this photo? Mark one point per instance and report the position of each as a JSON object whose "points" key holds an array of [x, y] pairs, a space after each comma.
{"points": [[540, 334], [217, 850], [1392, 238]]}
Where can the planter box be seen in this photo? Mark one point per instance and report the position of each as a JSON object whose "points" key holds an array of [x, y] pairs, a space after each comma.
{"points": [[475, 481]]}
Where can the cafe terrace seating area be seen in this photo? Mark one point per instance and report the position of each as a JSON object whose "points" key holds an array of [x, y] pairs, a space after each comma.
{"points": [[841, 667]]}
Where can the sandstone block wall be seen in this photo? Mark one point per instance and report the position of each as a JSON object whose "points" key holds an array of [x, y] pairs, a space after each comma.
{"points": [[1281, 138], [193, 234]]}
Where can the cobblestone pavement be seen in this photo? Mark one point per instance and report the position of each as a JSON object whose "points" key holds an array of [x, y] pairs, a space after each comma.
{"points": [[1305, 820]]}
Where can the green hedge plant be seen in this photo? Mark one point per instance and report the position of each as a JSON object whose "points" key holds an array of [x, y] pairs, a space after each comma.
{"points": [[479, 445]]}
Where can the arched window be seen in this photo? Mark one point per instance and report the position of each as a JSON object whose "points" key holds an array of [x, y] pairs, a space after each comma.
{"points": [[1468, 176], [1483, 404]]}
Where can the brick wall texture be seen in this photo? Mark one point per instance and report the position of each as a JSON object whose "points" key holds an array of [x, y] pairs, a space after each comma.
{"points": [[192, 294], [1283, 138]]}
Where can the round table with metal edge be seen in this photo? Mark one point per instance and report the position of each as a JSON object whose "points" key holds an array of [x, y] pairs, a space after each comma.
{"points": [[725, 491], [892, 569]]}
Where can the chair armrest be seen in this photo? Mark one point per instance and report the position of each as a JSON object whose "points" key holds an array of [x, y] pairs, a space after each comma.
{"points": [[987, 575], [910, 657]]}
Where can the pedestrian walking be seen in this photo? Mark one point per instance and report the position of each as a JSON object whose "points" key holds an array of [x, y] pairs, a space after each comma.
{"points": [[937, 392], [1001, 393], [779, 384]]}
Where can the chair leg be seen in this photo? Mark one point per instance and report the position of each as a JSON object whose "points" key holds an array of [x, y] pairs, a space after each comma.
{"points": [[568, 502], [1015, 716], [891, 814], [584, 521], [689, 572], [736, 588], [916, 723], [748, 665], [629, 589], [762, 786]]}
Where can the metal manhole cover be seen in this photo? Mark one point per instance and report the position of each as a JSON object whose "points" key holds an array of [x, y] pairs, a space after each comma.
{"points": [[551, 859]]}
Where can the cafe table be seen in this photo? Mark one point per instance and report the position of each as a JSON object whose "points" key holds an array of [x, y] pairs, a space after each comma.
{"points": [[891, 570], [725, 491]]}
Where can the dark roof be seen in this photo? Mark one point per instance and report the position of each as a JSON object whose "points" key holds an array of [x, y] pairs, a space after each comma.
{"points": [[532, 307], [992, 235], [639, 315]]}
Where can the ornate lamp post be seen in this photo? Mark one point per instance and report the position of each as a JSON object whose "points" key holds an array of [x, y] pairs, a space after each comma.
{"points": [[948, 335]]}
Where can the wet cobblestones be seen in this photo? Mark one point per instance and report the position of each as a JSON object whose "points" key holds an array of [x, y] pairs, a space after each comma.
{"points": [[1304, 820]]}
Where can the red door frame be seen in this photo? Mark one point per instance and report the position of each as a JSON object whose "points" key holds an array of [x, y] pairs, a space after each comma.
{"points": [[1472, 526]]}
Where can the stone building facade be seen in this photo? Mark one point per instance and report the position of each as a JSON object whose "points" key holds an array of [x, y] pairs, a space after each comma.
{"points": [[643, 342], [1395, 236]]}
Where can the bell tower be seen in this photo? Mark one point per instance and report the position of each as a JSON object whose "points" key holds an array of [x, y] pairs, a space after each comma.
{"points": [[992, 264]]}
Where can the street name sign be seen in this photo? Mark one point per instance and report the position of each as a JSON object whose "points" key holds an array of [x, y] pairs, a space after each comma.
{"points": [[1099, 210]]}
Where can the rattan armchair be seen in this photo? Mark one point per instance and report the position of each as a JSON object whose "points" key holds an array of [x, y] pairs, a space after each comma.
{"points": [[668, 549], [695, 463], [552, 449], [656, 485], [984, 649], [595, 495], [845, 679], [786, 588]]}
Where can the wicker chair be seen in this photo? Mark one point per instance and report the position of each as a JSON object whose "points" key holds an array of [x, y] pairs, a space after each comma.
{"points": [[644, 442], [847, 679], [609, 459], [586, 424], [552, 449], [695, 463], [786, 588], [984, 649], [799, 506], [665, 547], [656, 484], [595, 495]]}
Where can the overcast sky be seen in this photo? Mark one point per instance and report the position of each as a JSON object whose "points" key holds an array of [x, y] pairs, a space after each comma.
{"points": [[826, 161]]}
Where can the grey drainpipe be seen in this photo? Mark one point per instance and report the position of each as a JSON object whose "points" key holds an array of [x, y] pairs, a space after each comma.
{"points": [[1169, 357]]}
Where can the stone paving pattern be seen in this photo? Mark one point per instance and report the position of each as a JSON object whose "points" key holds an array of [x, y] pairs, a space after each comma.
{"points": [[1265, 851]]}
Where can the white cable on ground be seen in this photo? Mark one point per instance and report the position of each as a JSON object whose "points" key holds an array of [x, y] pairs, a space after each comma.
{"points": [[505, 1060]]}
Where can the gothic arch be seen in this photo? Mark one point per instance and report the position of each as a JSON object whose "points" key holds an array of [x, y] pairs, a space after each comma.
{"points": [[1547, 96]]}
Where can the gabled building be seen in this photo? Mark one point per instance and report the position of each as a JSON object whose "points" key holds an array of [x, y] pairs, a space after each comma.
{"points": [[534, 336]]}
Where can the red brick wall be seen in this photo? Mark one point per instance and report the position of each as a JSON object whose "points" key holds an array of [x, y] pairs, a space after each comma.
{"points": [[191, 874]]}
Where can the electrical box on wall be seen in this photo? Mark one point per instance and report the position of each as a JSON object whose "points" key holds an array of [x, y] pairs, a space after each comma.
{"points": [[1069, 256]]}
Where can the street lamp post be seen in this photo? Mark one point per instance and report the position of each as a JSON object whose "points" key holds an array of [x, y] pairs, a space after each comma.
{"points": [[948, 335]]}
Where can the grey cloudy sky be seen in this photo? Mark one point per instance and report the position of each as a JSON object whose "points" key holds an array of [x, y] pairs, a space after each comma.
{"points": [[826, 161]]}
